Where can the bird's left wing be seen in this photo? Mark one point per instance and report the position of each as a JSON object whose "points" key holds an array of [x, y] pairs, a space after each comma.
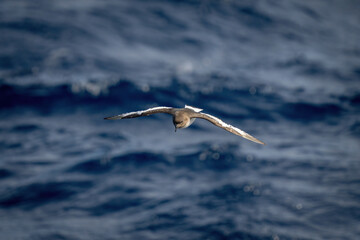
{"points": [[168, 110], [216, 121]]}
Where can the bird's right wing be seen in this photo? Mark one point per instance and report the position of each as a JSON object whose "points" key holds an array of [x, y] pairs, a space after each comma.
{"points": [[216, 121], [168, 110]]}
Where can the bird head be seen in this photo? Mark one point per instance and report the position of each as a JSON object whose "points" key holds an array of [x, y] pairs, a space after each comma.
{"points": [[179, 122]]}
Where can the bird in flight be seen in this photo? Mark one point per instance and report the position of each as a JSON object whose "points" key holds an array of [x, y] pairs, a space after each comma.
{"points": [[184, 117]]}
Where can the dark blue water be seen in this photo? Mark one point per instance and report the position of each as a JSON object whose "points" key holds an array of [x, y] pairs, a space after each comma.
{"points": [[287, 72]]}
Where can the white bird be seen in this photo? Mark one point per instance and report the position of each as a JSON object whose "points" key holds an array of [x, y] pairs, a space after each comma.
{"points": [[184, 117]]}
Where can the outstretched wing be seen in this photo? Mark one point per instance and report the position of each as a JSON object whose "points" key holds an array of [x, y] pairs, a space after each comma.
{"points": [[168, 110], [216, 121]]}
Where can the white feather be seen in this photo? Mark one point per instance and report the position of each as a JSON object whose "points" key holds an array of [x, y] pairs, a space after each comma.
{"points": [[193, 108], [225, 125], [142, 111]]}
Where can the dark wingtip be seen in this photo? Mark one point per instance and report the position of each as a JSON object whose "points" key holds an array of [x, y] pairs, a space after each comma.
{"points": [[114, 117], [251, 138], [260, 142], [111, 118]]}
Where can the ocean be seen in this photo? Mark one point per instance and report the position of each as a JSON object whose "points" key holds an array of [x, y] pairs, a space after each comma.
{"points": [[286, 72]]}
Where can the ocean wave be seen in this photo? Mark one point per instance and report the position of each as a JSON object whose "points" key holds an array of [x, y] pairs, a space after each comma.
{"points": [[267, 67], [4, 173], [34, 195], [124, 95]]}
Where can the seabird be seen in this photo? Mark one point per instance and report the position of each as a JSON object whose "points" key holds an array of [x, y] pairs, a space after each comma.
{"points": [[184, 117]]}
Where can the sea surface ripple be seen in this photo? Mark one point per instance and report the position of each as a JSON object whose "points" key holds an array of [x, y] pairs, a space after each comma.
{"points": [[287, 72]]}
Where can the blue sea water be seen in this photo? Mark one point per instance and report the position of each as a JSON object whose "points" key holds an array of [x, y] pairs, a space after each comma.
{"points": [[287, 72]]}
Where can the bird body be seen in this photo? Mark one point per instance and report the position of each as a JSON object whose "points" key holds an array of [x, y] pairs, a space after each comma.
{"points": [[184, 117]]}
